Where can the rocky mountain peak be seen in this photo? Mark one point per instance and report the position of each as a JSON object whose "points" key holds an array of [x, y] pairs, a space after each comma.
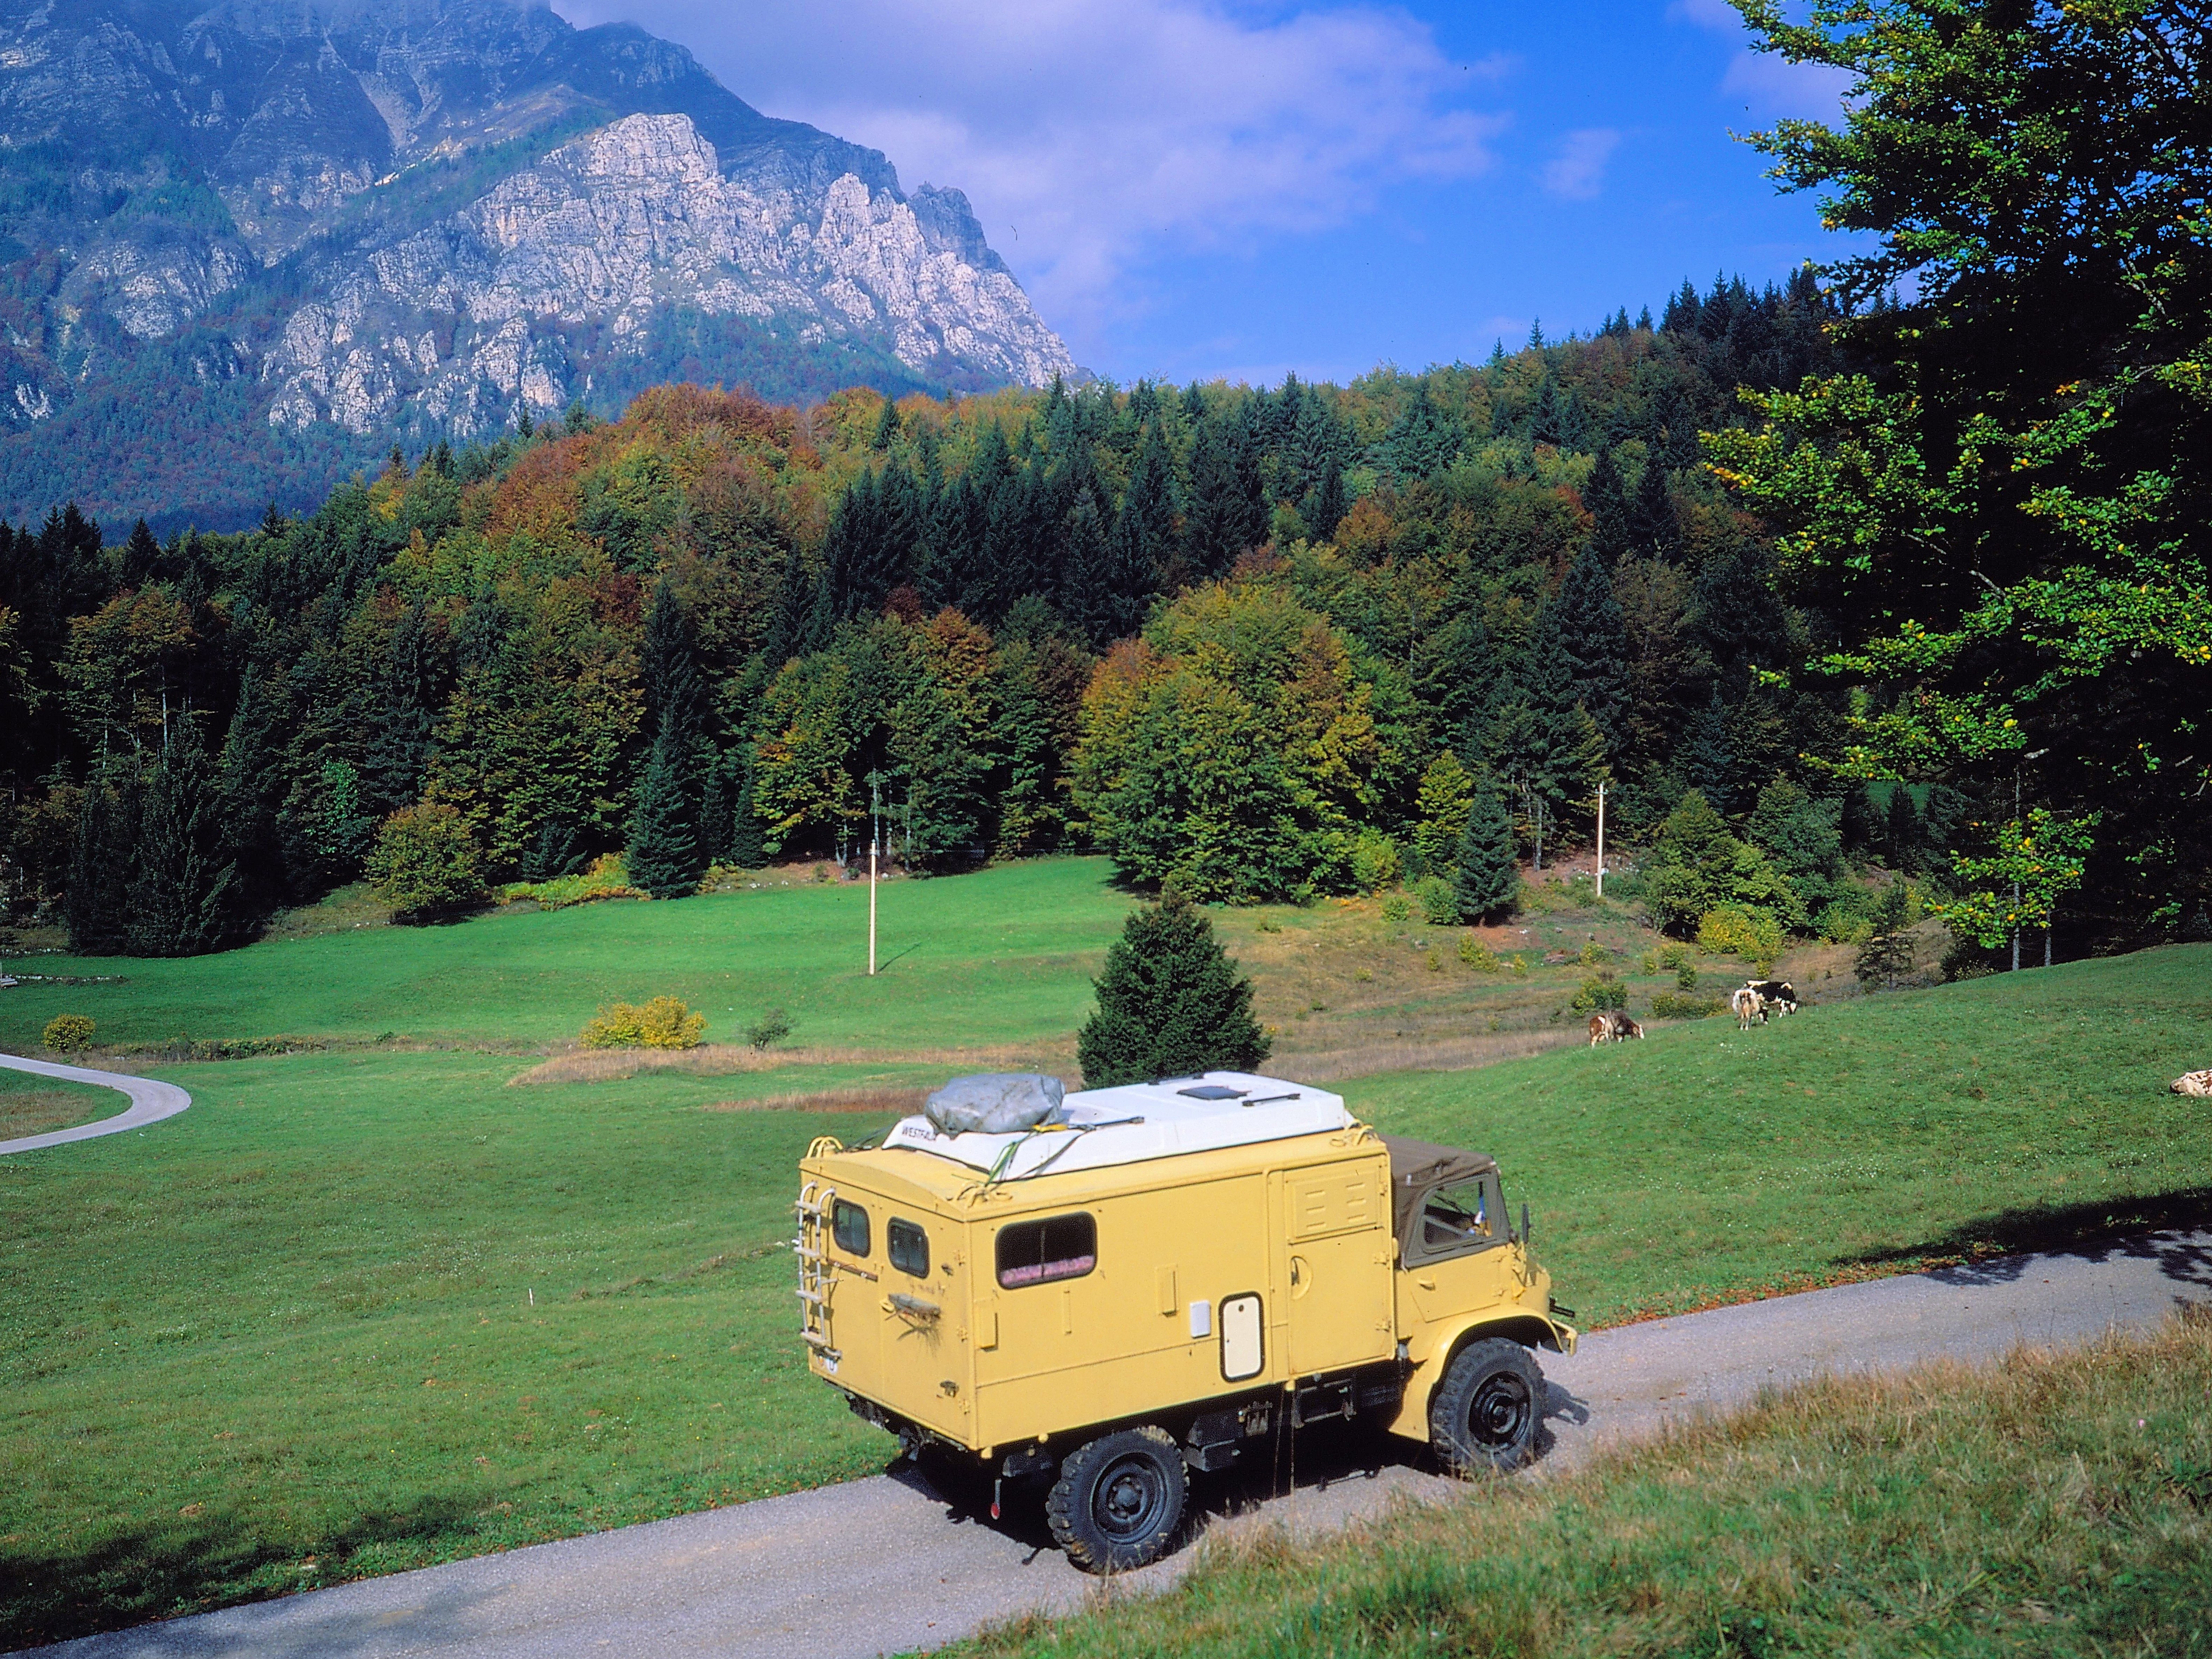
{"points": [[353, 221]]}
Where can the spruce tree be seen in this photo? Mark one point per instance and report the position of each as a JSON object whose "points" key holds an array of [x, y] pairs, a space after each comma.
{"points": [[1087, 599], [746, 848], [100, 863], [1486, 879], [1707, 756], [1653, 532], [1606, 499], [1902, 837], [1171, 1002], [664, 847], [181, 880], [1593, 642]]}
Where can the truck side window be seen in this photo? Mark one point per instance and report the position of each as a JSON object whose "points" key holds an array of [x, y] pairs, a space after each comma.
{"points": [[908, 1247], [1457, 1219], [848, 1226], [1038, 1252]]}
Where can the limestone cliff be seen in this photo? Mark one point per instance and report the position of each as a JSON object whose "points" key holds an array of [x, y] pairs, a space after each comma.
{"points": [[418, 218]]}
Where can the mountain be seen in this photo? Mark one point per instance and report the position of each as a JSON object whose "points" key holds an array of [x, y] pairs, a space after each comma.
{"points": [[245, 248]]}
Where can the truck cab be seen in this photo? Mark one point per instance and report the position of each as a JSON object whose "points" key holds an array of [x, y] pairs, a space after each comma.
{"points": [[1162, 1276]]}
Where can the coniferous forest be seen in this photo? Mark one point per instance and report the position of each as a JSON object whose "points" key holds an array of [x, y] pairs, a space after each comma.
{"points": [[1903, 563]]}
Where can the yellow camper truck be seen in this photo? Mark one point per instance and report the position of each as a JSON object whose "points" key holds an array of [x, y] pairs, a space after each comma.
{"points": [[1159, 1276]]}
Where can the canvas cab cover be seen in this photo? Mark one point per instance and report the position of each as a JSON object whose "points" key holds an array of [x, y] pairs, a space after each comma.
{"points": [[1418, 1166]]}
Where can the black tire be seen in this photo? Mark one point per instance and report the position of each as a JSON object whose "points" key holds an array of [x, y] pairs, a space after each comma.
{"points": [[1484, 1414], [1119, 1500]]}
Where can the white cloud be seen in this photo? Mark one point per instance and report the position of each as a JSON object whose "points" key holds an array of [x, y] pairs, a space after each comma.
{"points": [[1579, 170], [1091, 133]]}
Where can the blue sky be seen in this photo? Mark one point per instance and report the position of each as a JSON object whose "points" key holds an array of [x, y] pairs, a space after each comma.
{"points": [[1192, 188]]}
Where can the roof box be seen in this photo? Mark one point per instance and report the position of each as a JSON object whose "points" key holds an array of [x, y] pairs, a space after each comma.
{"points": [[1099, 1128]]}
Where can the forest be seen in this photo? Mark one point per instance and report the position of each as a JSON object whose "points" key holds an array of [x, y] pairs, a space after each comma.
{"points": [[1900, 561]]}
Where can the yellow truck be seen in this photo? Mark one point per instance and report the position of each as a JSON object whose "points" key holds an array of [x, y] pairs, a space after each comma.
{"points": [[1163, 1274]]}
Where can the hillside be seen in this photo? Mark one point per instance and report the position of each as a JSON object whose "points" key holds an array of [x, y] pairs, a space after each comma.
{"points": [[249, 245]]}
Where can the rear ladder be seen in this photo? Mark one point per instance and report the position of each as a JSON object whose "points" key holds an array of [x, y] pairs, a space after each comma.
{"points": [[816, 1270]]}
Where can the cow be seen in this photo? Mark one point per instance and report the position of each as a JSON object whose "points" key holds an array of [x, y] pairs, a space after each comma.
{"points": [[1612, 1026], [1748, 1006], [1779, 994], [2198, 1084]]}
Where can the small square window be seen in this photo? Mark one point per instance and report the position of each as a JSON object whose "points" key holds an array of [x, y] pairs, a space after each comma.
{"points": [[1038, 1252], [848, 1226], [908, 1247]]}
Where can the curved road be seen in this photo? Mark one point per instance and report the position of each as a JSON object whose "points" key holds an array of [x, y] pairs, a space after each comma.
{"points": [[886, 1566], [150, 1102]]}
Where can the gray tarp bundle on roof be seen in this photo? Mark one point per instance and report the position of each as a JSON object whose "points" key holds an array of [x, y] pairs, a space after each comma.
{"points": [[995, 1103], [1418, 1166]]}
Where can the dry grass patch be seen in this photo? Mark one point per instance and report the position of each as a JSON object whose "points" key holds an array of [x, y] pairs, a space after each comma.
{"points": [[579, 1065], [864, 1098]]}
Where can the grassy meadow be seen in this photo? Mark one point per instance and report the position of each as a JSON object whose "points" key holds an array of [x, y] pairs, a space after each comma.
{"points": [[32, 1105], [378, 1304], [2056, 1505]]}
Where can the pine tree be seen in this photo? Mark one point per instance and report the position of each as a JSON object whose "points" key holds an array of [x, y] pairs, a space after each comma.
{"points": [[1653, 532], [140, 558], [1087, 599], [182, 882], [1422, 441], [664, 848], [1606, 500], [747, 851], [1707, 756], [1487, 878], [887, 426], [1593, 642], [1226, 515], [1171, 1002], [1902, 838], [100, 862]]}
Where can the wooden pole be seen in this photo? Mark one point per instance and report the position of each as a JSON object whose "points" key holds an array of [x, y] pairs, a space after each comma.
{"points": [[872, 907], [1601, 839]]}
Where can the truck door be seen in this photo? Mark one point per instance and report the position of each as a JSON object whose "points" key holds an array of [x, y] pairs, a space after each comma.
{"points": [[1336, 1279]]}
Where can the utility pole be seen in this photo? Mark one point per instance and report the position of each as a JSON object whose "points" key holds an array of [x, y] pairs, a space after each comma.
{"points": [[875, 839], [2015, 880], [1601, 837]]}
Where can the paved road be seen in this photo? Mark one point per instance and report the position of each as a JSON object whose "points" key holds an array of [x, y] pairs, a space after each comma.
{"points": [[885, 1564], [150, 1102]]}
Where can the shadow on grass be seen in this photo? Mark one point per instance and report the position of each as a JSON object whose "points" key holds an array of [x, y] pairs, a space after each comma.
{"points": [[219, 1561], [1991, 1249]]}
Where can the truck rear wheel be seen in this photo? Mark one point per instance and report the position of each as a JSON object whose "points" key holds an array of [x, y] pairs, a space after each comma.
{"points": [[1483, 1414], [1118, 1500]]}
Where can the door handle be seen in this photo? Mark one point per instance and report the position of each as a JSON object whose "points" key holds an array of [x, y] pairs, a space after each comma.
{"points": [[1426, 1284]]}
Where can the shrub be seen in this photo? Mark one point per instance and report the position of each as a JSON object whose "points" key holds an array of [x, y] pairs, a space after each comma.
{"points": [[1477, 955], [607, 878], [1582, 892], [1839, 924], [69, 1034], [771, 1027], [1435, 960], [1375, 861], [1594, 955], [425, 863], [1439, 904], [663, 1023], [1520, 967], [1599, 992], [1685, 976], [1396, 908], [1739, 930], [1667, 1005]]}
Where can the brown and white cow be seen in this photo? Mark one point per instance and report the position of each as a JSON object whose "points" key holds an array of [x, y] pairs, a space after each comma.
{"points": [[2198, 1084], [1748, 1008], [1623, 1028]]}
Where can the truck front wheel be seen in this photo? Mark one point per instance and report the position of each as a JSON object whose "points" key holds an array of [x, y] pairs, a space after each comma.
{"points": [[1485, 1411], [1118, 1500]]}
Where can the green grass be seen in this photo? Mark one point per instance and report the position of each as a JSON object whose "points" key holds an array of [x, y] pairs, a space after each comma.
{"points": [[370, 1308], [2053, 1506], [1705, 1162], [32, 1105]]}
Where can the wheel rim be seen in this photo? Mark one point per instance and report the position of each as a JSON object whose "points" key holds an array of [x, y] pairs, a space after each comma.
{"points": [[1130, 1498], [1499, 1415]]}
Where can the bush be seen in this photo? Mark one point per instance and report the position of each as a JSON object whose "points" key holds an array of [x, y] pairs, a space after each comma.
{"points": [[1477, 955], [1667, 1005], [1594, 955], [663, 1023], [1396, 908], [607, 878], [1582, 892], [69, 1034], [1375, 861], [773, 1026], [1685, 976], [1738, 930], [1171, 1002], [1599, 992], [424, 864], [1439, 904], [1840, 924]]}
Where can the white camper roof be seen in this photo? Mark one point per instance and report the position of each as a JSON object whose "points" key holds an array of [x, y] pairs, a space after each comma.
{"points": [[1137, 1122]]}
